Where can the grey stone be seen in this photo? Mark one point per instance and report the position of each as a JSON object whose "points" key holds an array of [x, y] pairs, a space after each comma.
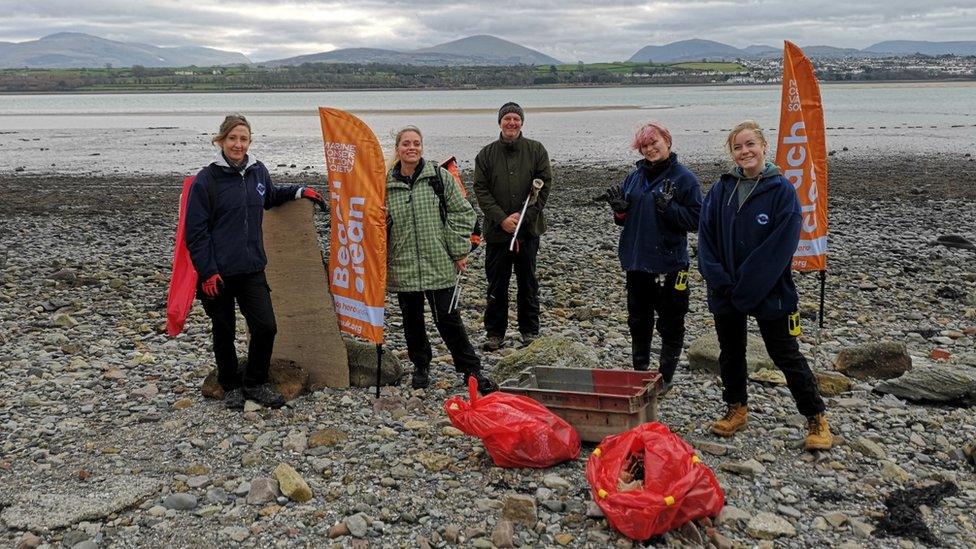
{"points": [[933, 383], [769, 526], [180, 501], [263, 490], [546, 351], [703, 354], [42, 511], [357, 525]]}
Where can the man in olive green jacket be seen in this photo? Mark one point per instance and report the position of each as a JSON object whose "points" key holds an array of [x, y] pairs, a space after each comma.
{"points": [[503, 174]]}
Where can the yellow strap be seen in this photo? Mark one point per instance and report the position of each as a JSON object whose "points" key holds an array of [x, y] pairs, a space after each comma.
{"points": [[597, 452], [602, 493], [695, 459], [669, 500]]}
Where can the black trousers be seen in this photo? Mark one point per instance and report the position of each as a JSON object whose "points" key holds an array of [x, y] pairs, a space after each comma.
{"points": [[782, 348], [499, 263], [449, 325], [252, 294], [647, 294]]}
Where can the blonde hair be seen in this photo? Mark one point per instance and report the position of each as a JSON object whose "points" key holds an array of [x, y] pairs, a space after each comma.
{"points": [[742, 126], [395, 157], [230, 122]]}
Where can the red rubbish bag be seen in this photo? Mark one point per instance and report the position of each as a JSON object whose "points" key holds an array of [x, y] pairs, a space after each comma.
{"points": [[516, 430], [648, 481], [183, 281]]}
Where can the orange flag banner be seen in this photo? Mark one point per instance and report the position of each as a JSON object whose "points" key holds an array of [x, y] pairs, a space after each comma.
{"points": [[357, 199], [801, 153]]}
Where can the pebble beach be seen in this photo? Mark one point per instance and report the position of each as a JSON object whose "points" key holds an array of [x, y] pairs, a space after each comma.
{"points": [[107, 441]]}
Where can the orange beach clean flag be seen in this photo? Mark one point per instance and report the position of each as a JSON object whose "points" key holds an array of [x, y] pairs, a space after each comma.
{"points": [[357, 199], [801, 153]]}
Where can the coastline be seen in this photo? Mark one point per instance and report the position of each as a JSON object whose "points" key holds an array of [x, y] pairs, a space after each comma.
{"points": [[482, 88]]}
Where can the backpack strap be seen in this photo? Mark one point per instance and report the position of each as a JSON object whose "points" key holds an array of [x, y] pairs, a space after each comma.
{"points": [[438, 185]]}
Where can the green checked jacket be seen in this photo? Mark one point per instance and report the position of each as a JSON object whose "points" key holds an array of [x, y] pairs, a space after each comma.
{"points": [[421, 248]]}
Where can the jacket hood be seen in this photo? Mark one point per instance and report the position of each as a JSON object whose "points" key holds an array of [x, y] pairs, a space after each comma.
{"points": [[220, 161], [769, 170]]}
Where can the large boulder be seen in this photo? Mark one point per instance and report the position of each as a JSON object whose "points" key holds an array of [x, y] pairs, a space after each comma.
{"points": [[286, 376], [552, 351], [933, 383], [880, 360], [703, 354], [362, 365]]}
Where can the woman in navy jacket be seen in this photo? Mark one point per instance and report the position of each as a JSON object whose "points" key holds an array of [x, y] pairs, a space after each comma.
{"points": [[749, 230], [657, 204], [223, 235]]}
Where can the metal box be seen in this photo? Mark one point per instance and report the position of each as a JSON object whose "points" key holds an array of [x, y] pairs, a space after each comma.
{"points": [[596, 402]]}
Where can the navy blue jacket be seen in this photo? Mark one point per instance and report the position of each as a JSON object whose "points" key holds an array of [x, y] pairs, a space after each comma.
{"points": [[656, 241], [744, 252], [235, 243]]}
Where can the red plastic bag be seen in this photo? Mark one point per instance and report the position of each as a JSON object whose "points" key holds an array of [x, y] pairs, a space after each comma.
{"points": [[516, 430], [183, 281], [649, 481]]}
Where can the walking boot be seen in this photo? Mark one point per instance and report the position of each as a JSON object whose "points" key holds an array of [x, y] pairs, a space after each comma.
{"points": [[819, 436], [234, 399], [667, 366], [493, 343], [420, 378], [485, 384], [640, 352], [734, 420], [266, 395]]}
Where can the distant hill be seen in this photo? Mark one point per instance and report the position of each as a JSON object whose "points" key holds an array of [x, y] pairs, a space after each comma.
{"points": [[474, 50], [687, 50], [696, 50], [909, 47], [79, 50], [494, 50]]}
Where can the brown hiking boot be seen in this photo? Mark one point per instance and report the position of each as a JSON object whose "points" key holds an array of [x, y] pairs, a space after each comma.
{"points": [[733, 420], [818, 434]]}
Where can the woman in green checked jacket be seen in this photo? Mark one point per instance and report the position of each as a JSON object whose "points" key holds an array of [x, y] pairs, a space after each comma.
{"points": [[428, 243]]}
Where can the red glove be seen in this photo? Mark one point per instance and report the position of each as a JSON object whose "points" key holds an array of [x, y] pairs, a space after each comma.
{"points": [[314, 196], [211, 286]]}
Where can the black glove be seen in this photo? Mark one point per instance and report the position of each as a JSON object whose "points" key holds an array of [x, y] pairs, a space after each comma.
{"points": [[615, 197], [663, 198]]}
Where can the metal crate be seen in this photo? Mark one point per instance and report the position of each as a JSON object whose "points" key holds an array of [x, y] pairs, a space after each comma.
{"points": [[596, 402]]}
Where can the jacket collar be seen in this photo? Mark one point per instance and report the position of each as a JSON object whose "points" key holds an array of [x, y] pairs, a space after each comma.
{"points": [[221, 162], [427, 169]]}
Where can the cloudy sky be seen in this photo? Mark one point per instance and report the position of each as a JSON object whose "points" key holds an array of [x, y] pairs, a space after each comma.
{"points": [[569, 30]]}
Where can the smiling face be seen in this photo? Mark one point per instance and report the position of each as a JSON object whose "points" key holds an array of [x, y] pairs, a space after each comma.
{"points": [[410, 148], [748, 152], [656, 149], [236, 143], [511, 125]]}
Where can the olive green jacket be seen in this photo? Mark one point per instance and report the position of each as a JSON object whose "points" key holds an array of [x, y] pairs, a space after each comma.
{"points": [[421, 248], [503, 174]]}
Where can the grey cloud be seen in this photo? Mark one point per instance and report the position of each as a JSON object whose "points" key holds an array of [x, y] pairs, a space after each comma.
{"points": [[570, 30]]}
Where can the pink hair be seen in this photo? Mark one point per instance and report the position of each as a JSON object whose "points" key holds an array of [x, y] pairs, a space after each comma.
{"points": [[646, 133]]}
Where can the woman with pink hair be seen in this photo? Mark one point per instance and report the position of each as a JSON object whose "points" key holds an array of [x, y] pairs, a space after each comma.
{"points": [[657, 205]]}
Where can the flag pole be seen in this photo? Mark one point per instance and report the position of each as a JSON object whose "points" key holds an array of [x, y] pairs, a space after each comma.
{"points": [[379, 367]]}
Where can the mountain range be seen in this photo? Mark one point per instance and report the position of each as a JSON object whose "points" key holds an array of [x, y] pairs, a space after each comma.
{"points": [[473, 50], [697, 49], [77, 50]]}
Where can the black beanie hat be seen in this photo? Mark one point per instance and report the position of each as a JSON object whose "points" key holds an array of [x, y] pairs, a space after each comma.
{"points": [[510, 107]]}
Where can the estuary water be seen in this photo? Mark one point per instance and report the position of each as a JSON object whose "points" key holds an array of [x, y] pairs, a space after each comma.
{"points": [[170, 133]]}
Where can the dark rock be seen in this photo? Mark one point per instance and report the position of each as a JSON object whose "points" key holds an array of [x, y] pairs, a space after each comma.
{"points": [[954, 241], [883, 360], [290, 380], [362, 365]]}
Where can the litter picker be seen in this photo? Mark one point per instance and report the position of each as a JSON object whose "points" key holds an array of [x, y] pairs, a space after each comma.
{"points": [[529, 200]]}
